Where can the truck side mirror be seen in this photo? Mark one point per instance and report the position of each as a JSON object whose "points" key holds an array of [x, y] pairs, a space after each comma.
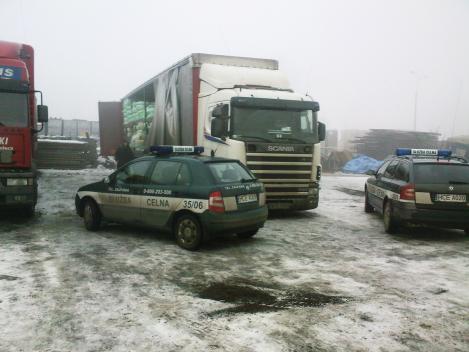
{"points": [[42, 113], [218, 127], [221, 111], [321, 131]]}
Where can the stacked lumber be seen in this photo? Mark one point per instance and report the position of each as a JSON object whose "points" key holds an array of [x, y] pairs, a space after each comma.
{"points": [[380, 143], [66, 154]]}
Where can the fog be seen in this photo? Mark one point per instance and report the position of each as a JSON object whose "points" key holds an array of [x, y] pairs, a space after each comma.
{"points": [[364, 61]]}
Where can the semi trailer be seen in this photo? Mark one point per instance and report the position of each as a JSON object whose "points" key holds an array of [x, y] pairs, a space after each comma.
{"points": [[19, 117], [236, 107]]}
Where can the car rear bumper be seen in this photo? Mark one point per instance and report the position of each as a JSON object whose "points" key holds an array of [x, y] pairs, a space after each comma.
{"points": [[408, 212], [233, 222]]}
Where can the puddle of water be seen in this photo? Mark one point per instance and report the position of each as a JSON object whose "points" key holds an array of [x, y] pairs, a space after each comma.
{"points": [[8, 278], [253, 299]]}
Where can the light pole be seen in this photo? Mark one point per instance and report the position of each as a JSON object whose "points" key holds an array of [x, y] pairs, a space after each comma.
{"points": [[418, 77]]}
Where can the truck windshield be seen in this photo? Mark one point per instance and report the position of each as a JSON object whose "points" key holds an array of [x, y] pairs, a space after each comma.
{"points": [[441, 173], [13, 109], [273, 125]]}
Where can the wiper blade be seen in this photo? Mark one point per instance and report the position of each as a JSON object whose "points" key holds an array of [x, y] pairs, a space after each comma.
{"points": [[257, 137], [459, 182]]}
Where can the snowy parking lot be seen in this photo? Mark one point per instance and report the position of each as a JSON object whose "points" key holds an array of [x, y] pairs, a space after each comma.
{"points": [[323, 280]]}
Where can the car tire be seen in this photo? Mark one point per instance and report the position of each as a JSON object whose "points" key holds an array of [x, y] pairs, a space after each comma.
{"points": [[390, 222], [247, 234], [188, 232], [368, 207], [91, 215]]}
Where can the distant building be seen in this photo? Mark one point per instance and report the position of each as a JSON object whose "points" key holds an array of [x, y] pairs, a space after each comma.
{"points": [[347, 139], [71, 128]]}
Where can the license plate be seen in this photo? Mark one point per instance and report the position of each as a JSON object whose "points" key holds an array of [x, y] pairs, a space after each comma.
{"points": [[457, 198], [247, 198]]}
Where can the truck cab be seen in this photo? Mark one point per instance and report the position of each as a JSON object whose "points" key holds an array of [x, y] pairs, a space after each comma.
{"points": [[18, 126], [252, 114]]}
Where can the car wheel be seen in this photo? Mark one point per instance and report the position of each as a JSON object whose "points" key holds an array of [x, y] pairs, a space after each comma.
{"points": [[247, 234], [390, 222], [91, 215], [188, 232], [368, 207]]}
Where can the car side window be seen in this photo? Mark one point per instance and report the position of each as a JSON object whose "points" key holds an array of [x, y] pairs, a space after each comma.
{"points": [[390, 171], [184, 176], [402, 171], [134, 173], [165, 173], [381, 170]]}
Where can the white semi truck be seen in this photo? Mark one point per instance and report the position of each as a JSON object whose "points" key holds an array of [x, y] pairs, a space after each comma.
{"points": [[236, 107]]}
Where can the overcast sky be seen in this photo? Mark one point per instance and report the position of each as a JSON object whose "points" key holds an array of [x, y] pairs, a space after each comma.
{"points": [[362, 60]]}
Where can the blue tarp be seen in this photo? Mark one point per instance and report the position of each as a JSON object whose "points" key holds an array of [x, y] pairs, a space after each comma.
{"points": [[361, 164]]}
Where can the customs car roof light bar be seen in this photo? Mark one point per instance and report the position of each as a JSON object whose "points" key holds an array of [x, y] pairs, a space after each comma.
{"points": [[176, 149]]}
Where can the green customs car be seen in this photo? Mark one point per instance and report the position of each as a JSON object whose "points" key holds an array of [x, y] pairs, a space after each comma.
{"points": [[177, 190]]}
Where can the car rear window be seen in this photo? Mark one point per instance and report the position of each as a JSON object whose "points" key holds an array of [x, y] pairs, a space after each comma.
{"points": [[441, 173], [228, 172]]}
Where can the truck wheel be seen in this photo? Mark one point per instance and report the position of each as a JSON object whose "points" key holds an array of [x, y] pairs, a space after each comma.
{"points": [[188, 232], [247, 234], [368, 206], [91, 216], [390, 222]]}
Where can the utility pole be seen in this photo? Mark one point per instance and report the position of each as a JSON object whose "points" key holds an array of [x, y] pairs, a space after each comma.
{"points": [[458, 99], [418, 77], [415, 104]]}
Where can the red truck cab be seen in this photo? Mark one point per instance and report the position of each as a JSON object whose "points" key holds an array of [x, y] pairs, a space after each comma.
{"points": [[19, 116]]}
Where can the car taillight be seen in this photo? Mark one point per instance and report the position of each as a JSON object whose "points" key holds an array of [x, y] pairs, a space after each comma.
{"points": [[215, 202], [407, 192]]}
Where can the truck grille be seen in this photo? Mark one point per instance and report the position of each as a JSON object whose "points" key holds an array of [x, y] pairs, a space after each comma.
{"points": [[285, 176]]}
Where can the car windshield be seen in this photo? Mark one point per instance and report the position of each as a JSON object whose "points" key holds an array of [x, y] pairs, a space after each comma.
{"points": [[229, 172], [271, 125], [441, 173], [13, 109]]}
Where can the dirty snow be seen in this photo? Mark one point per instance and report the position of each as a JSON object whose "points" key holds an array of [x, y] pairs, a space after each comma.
{"points": [[323, 280]]}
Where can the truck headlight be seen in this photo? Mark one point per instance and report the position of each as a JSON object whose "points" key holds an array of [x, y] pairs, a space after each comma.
{"points": [[19, 181]]}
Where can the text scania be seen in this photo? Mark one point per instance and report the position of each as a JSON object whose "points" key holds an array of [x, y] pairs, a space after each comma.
{"points": [[281, 148]]}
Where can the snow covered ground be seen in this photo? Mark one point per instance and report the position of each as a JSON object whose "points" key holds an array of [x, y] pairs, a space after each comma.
{"points": [[322, 280]]}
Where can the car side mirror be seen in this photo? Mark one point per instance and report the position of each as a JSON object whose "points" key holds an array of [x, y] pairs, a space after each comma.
{"points": [[371, 173], [219, 127], [321, 131], [42, 113]]}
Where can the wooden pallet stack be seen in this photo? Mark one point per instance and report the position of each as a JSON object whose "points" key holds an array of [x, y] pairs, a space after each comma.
{"points": [[380, 143], [66, 154]]}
